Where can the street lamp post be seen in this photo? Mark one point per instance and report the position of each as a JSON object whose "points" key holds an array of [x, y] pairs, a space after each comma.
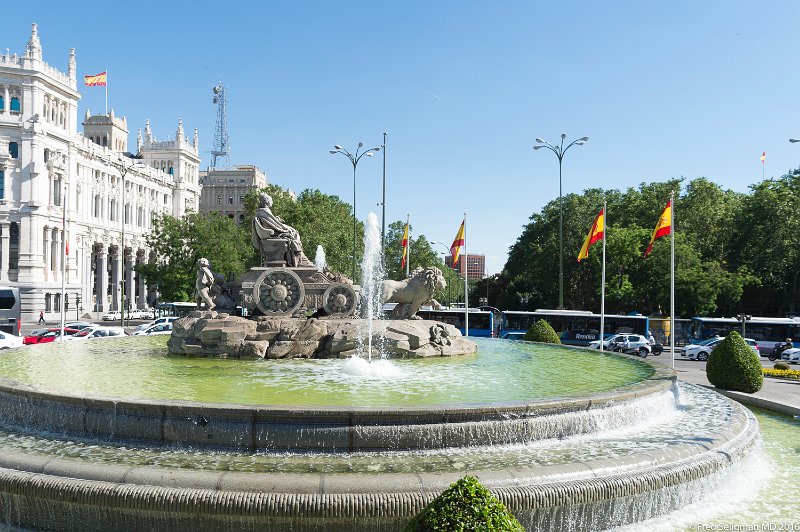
{"points": [[560, 150], [354, 158], [123, 170]]}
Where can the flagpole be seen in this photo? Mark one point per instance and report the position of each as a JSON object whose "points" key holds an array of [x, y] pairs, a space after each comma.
{"points": [[603, 280], [672, 280], [106, 91], [408, 245], [466, 285]]}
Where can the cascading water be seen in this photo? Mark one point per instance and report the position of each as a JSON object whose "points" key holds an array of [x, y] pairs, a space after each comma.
{"points": [[319, 258], [371, 277]]}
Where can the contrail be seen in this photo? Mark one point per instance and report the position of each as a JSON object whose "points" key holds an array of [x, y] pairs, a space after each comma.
{"points": [[430, 94]]}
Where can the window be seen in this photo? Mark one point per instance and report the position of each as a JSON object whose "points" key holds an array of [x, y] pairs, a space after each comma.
{"points": [[7, 299], [171, 171], [241, 200], [230, 200], [13, 149], [2, 184], [15, 107], [13, 251], [2, 104], [219, 200], [47, 302], [57, 191], [57, 302], [97, 206]]}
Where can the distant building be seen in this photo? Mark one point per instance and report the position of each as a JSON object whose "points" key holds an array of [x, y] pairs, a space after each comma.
{"points": [[50, 172], [473, 265], [224, 189]]}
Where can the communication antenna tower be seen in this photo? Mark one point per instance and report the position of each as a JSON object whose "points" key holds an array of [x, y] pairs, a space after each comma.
{"points": [[222, 149]]}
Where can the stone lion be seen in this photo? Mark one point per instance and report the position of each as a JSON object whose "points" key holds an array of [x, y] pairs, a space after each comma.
{"points": [[411, 294]]}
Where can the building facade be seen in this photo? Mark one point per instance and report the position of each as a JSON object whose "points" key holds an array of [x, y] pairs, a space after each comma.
{"points": [[474, 266], [224, 189], [65, 195]]}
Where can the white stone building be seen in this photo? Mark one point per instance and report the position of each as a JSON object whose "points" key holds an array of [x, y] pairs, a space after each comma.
{"points": [[47, 166], [224, 189]]}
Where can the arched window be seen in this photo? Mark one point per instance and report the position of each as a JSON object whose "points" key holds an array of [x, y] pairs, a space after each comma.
{"points": [[13, 149], [171, 170], [105, 140], [2, 104], [15, 107]]}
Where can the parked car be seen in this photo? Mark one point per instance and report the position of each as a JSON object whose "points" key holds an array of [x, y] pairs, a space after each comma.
{"points": [[163, 319], [159, 328], [100, 331], [7, 341], [112, 316], [792, 356], [48, 336], [702, 350], [80, 325], [636, 343]]}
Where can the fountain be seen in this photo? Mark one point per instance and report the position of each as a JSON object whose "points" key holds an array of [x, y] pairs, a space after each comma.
{"points": [[120, 435], [319, 259]]}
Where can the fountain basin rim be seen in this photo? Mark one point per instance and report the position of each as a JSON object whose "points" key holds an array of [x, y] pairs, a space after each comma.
{"points": [[391, 498]]}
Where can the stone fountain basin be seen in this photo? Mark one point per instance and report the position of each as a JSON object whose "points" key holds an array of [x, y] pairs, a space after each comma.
{"points": [[46, 492], [331, 429]]}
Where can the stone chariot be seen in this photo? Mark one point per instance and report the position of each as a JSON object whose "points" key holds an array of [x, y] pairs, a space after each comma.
{"points": [[288, 284]]}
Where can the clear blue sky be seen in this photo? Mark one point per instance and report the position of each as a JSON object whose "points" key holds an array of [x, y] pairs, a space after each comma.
{"points": [[663, 89]]}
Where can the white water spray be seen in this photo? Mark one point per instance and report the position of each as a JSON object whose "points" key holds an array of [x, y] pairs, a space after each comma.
{"points": [[319, 259], [371, 276]]}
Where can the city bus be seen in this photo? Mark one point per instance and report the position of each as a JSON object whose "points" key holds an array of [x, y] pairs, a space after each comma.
{"points": [[766, 331], [176, 308], [481, 322], [574, 327], [10, 310]]}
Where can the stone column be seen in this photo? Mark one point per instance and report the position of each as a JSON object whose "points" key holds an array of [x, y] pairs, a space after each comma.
{"points": [[129, 294], [116, 277], [46, 252], [6, 99], [101, 279], [141, 297], [5, 249]]}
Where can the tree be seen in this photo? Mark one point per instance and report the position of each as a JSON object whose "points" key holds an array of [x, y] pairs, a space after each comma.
{"points": [[179, 242]]}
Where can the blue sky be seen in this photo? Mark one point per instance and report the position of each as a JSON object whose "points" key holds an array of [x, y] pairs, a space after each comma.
{"points": [[663, 89]]}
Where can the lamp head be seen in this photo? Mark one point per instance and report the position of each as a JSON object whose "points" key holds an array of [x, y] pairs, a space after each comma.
{"points": [[337, 147], [794, 140], [563, 136], [333, 152], [584, 139], [360, 144], [376, 149], [369, 154], [540, 141], [536, 147]]}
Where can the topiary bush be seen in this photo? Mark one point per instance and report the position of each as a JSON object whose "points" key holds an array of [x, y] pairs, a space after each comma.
{"points": [[541, 331], [732, 365], [781, 365], [465, 505]]}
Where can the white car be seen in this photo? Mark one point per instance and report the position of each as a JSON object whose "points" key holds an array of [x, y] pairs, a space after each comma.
{"points": [[98, 331], [160, 328], [7, 341], [163, 319], [636, 342], [701, 350], [112, 316], [792, 356]]}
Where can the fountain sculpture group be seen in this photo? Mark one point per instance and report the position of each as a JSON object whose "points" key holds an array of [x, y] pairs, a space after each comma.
{"points": [[690, 450]]}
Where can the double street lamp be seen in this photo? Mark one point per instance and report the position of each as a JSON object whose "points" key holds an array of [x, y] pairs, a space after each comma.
{"points": [[354, 158], [123, 170], [560, 150]]}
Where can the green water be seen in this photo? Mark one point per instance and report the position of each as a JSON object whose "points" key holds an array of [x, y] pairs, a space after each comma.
{"points": [[503, 371]]}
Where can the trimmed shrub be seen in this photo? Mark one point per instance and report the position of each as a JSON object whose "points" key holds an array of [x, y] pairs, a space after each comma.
{"points": [[541, 331], [465, 505], [781, 365], [732, 365]]}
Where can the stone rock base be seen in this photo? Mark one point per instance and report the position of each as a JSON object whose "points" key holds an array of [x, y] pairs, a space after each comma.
{"points": [[221, 335]]}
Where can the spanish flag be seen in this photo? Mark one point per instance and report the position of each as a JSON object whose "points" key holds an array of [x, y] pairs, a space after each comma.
{"points": [[663, 228], [405, 248], [597, 232], [763, 157], [458, 242], [96, 80]]}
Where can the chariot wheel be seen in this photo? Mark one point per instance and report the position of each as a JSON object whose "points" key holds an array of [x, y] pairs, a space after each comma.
{"points": [[339, 300], [278, 292]]}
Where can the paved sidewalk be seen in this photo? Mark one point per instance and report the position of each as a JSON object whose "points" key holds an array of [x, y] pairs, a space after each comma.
{"points": [[776, 394]]}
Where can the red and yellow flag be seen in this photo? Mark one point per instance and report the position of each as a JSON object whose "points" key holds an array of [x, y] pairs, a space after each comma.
{"points": [[96, 80], [405, 248], [663, 228], [597, 232], [763, 157], [455, 249]]}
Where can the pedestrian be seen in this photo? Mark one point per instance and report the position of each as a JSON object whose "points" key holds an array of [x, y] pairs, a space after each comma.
{"points": [[41, 316]]}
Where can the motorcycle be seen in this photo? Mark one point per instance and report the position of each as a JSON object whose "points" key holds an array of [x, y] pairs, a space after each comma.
{"points": [[777, 351]]}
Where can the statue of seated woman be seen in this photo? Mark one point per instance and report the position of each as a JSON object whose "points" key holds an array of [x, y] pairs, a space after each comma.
{"points": [[268, 227]]}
